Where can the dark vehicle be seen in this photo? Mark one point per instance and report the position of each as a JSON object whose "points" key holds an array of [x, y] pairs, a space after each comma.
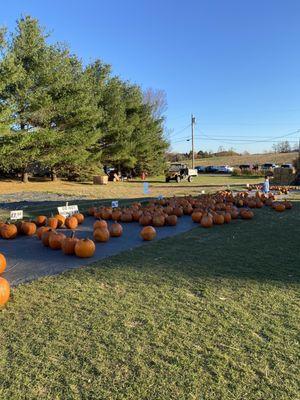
{"points": [[211, 169], [245, 166], [201, 169], [287, 166], [268, 166]]}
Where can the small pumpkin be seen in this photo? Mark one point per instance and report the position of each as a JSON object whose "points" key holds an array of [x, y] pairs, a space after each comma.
{"points": [[52, 222], [126, 216], [79, 217], [55, 241], [218, 219], [196, 216], [279, 207], [178, 211], [91, 211], [116, 215], [158, 220], [288, 205], [9, 231], [29, 228], [41, 230], [100, 224], [85, 248], [171, 220], [148, 233], [116, 230], [41, 220], [71, 223], [101, 235], [246, 214], [206, 221], [2, 263], [145, 220], [61, 220], [68, 244], [4, 291]]}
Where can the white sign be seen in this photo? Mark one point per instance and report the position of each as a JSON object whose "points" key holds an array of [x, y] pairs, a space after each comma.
{"points": [[67, 211], [115, 204], [146, 187], [16, 214]]}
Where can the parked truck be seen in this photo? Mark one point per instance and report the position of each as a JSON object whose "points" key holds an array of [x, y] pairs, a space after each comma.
{"points": [[179, 172]]}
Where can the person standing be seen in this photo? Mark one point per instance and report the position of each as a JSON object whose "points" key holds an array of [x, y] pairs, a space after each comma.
{"points": [[266, 185]]}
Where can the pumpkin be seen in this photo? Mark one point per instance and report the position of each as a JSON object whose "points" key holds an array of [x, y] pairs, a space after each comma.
{"points": [[19, 225], [279, 207], [196, 216], [158, 220], [259, 204], [116, 230], [187, 210], [171, 220], [2, 263], [41, 220], [71, 223], [100, 224], [106, 213], [148, 233], [218, 219], [178, 211], [234, 214], [85, 248], [55, 241], [68, 244], [206, 221], [79, 217], [41, 230], [4, 291], [227, 218], [116, 215], [145, 220], [246, 214], [101, 235], [9, 231], [52, 222], [29, 228], [61, 220], [136, 214], [288, 205], [168, 210], [46, 236], [91, 210], [126, 216]]}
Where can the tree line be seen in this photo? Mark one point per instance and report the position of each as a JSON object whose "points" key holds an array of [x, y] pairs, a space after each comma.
{"points": [[72, 119]]}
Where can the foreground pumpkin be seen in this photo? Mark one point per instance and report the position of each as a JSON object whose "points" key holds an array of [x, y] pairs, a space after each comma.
{"points": [[68, 244], [41, 220], [148, 233], [4, 291], [2, 263], [8, 231], [41, 230], [218, 219], [116, 230], [71, 223], [52, 222], [101, 235], [279, 207], [85, 248], [246, 214]]}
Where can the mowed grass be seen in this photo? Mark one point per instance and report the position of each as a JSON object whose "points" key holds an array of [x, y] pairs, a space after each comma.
{"points": [[209, 314]]}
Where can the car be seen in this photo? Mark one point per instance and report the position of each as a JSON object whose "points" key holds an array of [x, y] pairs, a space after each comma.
{"points": [[287, 166], [268, 166], [245, 166], [225, 169], [201, 169], [211, 169]]}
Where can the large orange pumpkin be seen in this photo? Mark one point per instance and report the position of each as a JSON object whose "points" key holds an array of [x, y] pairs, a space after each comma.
{"points": [[116, 230], [178, 211], [41, 220], [136, 214], [148, 233], [85, 248], [79, 217], [106, 213], [68, 244], [71, 223], [2, 263], [29, 228], [100, 224], [55, 241], [218, 219], [8, 231], [101, 235], [4, 291]]}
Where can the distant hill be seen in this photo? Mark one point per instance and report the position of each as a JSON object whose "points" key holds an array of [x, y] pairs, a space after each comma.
{"points": [[235, 161]]}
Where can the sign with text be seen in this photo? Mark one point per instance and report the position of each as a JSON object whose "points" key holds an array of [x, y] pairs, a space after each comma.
{"points": [[16, 214], [67, 211], [115, 204], [146, 187]]}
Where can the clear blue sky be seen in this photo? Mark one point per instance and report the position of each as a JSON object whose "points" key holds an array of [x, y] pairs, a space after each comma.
{"points": [[235, 64]]}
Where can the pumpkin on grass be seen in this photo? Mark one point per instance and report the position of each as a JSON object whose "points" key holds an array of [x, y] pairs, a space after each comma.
{"points": [[116, 230], [148, 233], [55, 240], [4, 291], [41, 220], [71, 223], [85, 248], [28, 228], [2, 263], [68, 244], [8, 231], [101, 235]]}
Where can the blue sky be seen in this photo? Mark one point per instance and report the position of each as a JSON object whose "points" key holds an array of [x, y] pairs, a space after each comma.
{"points": [[235, 64]]}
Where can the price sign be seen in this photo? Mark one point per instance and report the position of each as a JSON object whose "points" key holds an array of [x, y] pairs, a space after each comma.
{"points": [[16, 214], [67, 211], [115, 204]]}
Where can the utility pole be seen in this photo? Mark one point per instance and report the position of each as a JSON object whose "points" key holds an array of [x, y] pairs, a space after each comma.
{"points": [[193, 157]]}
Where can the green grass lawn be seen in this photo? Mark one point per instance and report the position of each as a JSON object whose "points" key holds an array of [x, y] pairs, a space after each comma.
{"points": [[207, 315]]}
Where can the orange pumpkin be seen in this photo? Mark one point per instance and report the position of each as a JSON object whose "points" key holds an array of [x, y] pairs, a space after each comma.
{"points": [[85, 248], [227, 218], [126, 216], [92, 210], [100, 224], [55, 241], [71, 223], [196, 216], [60, 220], [101, 235], [148, 233], [8, 231], [279, 207], [116, 230], [206, 221], [2, 263], [41, 220], [246, 214], [145, 220], [68, 244], [79, 217], [28, 228], [52, 222], [41, 230], [178, 211], [158, 220], [171, 220], [106, 213], [46, 236], [136, 215], [4, 291], [288, 205], [116, 215]]}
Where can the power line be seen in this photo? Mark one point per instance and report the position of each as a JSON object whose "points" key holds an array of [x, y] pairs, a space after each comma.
{"points": [[180, 131]]}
